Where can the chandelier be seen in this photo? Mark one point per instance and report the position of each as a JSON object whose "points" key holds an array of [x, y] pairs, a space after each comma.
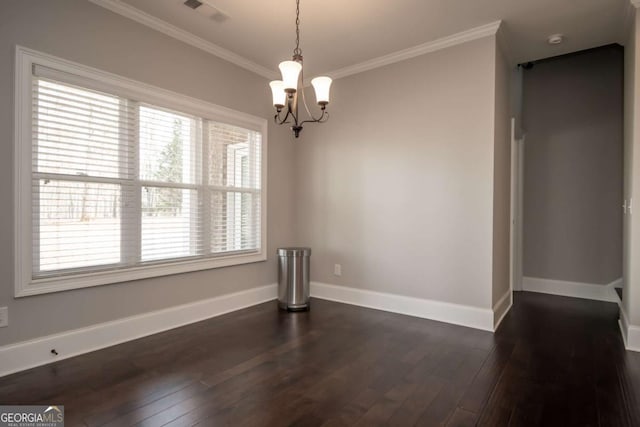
{"points": [[286, 91]]}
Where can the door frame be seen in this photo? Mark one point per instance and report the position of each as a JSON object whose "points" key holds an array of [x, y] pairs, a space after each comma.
{"points": [[517, 180]]}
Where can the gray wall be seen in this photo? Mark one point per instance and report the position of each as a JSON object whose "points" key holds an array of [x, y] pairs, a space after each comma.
{"points": [[83, 32], [573, 120], [398, 186]]}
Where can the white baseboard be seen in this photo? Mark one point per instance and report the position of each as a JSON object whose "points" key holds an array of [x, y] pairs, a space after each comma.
{"points": [[630, 333], [571, 289], [501, 308], [36, 352], [464, 315]]}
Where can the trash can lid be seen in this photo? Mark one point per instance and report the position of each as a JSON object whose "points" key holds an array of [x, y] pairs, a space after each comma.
{"points": [[294, 251]]}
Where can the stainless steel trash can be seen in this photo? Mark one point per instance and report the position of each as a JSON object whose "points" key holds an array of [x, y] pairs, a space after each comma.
{"points": [[293, 278]]}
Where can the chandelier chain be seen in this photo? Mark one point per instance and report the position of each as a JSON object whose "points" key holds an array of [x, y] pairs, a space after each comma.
{"points": [[297, 51]]}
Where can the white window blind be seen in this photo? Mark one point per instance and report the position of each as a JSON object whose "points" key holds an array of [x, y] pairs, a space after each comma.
{"points": [[119, 183]]}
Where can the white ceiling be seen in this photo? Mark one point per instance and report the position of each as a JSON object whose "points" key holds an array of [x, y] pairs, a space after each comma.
{"points": [[340, 33]]}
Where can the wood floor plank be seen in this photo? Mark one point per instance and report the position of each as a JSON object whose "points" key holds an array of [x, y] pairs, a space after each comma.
{"points": [[417, 403], [462, 418]]}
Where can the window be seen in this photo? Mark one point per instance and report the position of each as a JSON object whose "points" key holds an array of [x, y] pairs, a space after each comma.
{"points": [[118, 181]]}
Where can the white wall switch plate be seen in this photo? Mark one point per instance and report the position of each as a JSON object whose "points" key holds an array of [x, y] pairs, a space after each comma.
{"points": [[4, 317], [337, 270]]}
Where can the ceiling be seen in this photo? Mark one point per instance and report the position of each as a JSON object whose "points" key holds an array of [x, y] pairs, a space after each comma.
{"points": [[338, 33]]}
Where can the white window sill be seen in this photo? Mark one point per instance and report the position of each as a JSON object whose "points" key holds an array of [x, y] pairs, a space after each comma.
{"points": [[85, 280]]}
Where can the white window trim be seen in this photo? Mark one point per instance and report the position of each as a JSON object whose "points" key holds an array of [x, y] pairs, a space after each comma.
{"points": [[23, 251]]}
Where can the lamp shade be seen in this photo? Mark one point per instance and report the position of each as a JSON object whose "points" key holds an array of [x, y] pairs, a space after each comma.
{"points": [[322, 85], [290, 71], [279, 95]]}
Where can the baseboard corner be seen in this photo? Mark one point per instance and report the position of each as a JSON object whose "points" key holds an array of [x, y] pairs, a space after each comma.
{"points": [[630, 333], [501, 308]]}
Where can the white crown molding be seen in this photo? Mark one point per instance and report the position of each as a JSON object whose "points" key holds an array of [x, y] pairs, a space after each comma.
{"points": [[572, 289], [421, 49], [157, 24], [37, 352], [457, 314]]}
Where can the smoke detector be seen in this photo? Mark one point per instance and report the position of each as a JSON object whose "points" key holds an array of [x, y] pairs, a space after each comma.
{"points": [[555, 39], [206, 8]]}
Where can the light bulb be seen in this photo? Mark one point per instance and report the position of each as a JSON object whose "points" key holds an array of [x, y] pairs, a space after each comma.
{"points": [[290, 71], [322, 86], [279, 95]]}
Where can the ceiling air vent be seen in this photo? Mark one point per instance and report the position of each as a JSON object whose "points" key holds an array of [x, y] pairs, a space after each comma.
{"points": [[205, 8], [193, 4]]}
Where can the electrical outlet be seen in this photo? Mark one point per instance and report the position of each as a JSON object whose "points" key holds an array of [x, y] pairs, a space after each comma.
{"points": [[337, 270], [4, 317]]}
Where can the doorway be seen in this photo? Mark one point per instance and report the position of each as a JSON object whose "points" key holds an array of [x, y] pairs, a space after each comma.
{"points": [[567, 173]]}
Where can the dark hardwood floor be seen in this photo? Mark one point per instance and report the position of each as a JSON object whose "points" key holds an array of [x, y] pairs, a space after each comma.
{"points": [[554, 361]]}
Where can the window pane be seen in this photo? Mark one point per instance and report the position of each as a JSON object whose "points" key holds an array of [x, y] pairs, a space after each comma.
{"points": [[78, 223], [234, 156], [79, 132], [235, 224], [170, 225], [168, 149]]}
